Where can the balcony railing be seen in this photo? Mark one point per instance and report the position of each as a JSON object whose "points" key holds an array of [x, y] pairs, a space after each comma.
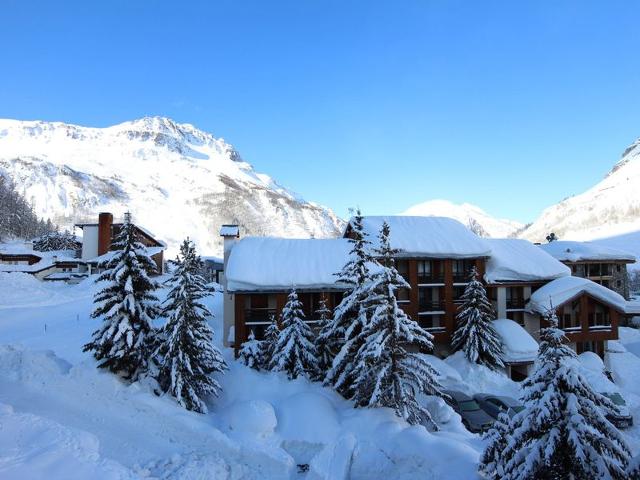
{"points": [[259, 315], [460, 277], [431, 306], [430, 278], [515, 304]]}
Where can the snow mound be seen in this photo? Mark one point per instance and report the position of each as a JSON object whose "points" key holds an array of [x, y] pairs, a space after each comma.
{"points": [[568, 251], [517, 344], [520, 260], [591, 361], [285, 263], [35, 447], [308, 416], [625, 368], [481, 378], [436, 237], [255, 417], [561, 290], [19, 364]]}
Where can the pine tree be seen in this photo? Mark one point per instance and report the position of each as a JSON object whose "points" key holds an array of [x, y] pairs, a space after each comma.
{"points": [[496, 439], [562, 432], [294, 352], [342, 336], [268, 343], [474, 334], [127, 306], [323, 351], [251, 352], [387, 374], [187, 356], [56, 240], [633, 470]]}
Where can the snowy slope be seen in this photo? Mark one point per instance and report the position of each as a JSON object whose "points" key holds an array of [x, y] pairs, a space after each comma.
{"points": [[63, 419], [175, 179], [474, 217], [611, 207]]}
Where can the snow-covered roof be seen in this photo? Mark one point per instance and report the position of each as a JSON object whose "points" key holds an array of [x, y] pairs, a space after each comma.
{"points": [[435, 237], [568, 251], [561, 290], [229, 231], [46, 259], [520, 260], [265, 263], [518, 345]]}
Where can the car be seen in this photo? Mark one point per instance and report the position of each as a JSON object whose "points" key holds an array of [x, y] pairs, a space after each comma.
{"points": [[474, 418], [494, 405], [623, 418]]}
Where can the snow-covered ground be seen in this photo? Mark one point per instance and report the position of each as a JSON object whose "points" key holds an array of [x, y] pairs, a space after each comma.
{"points": [[61, 418]]}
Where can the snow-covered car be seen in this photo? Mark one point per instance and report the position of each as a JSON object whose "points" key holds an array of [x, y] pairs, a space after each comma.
{"points": [[623, 418], [473, 417], [494, 405]]}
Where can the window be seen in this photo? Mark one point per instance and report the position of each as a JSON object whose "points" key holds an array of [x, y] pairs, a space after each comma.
{"points": [[458, 292], [515, 298], [570, 320], [403, 269], [462, 270], [258, 313], [429, 272], [430, 299], [431, 322], [619, 283], [599, 317], [618, 268], [402, 294]]}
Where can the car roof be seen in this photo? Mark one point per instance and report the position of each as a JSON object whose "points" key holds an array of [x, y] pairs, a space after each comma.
{"points": [[458, 395], [504, 399]]}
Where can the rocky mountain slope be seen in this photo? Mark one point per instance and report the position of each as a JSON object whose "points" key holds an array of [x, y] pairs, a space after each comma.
{"points": [[175, 179], [611, 207], [474, 217]]}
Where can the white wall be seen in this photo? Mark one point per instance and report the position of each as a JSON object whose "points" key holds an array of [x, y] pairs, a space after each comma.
{"points": [[89, 242]]}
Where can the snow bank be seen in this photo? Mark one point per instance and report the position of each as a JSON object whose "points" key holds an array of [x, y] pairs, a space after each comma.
{"points": [[23, 289], [517, 344], [520, 260], [436, 237], [561, 290], [480, 378], [254, 417], [35, 447], [570, 251], [283, 263]]}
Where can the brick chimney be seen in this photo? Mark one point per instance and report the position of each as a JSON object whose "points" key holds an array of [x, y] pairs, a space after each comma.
{"points": [[105, 221]]}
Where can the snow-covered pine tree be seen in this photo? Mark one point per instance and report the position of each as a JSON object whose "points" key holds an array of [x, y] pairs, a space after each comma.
{"points": [[342, 334], [633, 470], [474, 334], [127, 306], [268, 343], [56, 240], [562, 431], [496, 439], [186, 353], [294, 352], [323, 351], [387, 374], [251, 352]]}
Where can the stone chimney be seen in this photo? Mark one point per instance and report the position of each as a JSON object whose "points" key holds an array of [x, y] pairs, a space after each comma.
{"points": [[230, 234], [105, 221]]}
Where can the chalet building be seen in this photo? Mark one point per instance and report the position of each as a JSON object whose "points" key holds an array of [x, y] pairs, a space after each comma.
{"points": [[97, 240], [46, 266], [435, 256], [72, 266], [602, 265]]}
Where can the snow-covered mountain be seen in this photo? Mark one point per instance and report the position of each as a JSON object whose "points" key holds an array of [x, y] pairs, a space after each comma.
{"points": [[611, 207], [175, 179], [474, 217]]}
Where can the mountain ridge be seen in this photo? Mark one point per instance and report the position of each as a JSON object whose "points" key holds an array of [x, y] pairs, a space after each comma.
{"points": [[174, 177]]}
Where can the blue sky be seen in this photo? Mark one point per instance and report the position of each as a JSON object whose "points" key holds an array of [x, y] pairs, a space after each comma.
{"points": [[508, 105]]}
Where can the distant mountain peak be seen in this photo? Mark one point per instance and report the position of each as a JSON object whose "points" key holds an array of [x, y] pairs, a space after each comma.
{"points": [[479, 221], [177, 179]]}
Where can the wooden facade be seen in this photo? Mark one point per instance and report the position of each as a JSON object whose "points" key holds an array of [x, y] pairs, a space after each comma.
{"points": [[436, 285]]}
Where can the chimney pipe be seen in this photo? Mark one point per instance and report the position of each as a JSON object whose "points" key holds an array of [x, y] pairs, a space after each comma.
{"points": [[105, 221]]}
